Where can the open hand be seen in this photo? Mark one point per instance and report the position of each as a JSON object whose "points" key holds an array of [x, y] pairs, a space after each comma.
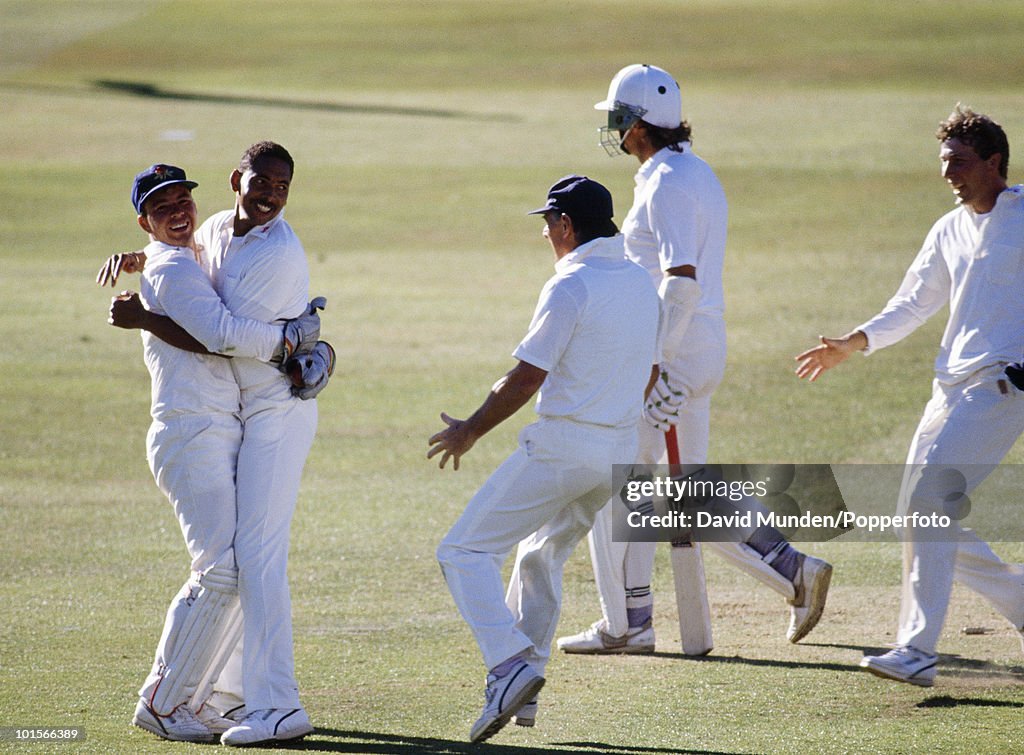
{"points": [[452, 442], [125, 262], [829, 353]]}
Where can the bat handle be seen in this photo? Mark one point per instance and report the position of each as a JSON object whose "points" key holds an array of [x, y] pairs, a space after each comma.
{"points": [[672, 446]]}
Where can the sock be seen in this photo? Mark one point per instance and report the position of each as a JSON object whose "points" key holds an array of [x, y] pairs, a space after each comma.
{"points": [[776, 551], [639, 606], [637, 617]]}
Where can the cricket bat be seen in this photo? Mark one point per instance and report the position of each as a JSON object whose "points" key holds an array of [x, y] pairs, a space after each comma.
{"points": [[691, 589]]}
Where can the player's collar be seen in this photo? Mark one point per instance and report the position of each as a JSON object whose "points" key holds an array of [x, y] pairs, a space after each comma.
{"points": [[610, 247], [264, 230], [659, 157]]}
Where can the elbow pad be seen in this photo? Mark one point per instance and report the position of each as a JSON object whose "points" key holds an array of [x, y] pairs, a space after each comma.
{"points": [[680, 297]]}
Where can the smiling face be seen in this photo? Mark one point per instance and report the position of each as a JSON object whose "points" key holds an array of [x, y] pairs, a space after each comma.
{"points": [[976, 182], [261, 191], [169, 215]]}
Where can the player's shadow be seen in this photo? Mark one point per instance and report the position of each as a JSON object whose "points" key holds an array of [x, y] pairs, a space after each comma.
{"points": [[766, 662], [950, 664], [974, 669], [945, 701], [154, 91], [379, 743]]}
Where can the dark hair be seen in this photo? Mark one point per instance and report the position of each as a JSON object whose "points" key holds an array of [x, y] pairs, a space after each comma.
{"points": [[979, 132], [265, 149], [661, 137], [588, 229]]}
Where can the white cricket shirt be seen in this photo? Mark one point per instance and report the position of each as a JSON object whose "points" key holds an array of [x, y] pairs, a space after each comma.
{"points": [[174, 285], [594, 331], [679, 217], [263, 276], [975, 264]]}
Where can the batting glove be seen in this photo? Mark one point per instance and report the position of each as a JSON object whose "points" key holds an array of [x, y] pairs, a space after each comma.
{"points": [[663, 403], [316, 367], [302, 333]]}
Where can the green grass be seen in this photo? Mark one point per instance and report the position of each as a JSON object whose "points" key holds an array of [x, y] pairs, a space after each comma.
{"points": [[423, 131]]}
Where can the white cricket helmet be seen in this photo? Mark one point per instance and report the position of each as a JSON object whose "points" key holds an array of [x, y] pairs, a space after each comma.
{"points": [[639, 92]]}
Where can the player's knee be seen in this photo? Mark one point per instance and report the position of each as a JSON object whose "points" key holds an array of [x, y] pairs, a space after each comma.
{"points": [[446, 553], [452, 554]]}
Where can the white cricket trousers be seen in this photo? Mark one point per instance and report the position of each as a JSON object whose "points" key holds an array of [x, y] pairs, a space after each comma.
{"points": [[544, 497], [697, 372], [193, 459], [973, 423], [277, 438]]}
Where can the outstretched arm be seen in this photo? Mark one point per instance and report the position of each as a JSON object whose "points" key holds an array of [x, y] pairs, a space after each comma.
{"points": [[829, 353], [506, 398]]}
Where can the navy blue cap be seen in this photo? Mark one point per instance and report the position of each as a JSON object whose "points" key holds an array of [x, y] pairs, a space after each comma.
{"points": [[154, 178], [578, 197]]}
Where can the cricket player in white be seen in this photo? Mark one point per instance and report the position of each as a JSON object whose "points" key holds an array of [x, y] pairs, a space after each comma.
{"points": [[676, 230], [589, 350], [192, 447], [259, 269], [973, 261]]}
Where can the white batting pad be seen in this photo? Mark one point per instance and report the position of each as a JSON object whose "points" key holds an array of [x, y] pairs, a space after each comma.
{"points": [[198, 644], [748, 560]]}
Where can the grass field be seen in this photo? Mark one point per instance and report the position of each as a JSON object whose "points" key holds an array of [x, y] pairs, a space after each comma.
{"points": [[422, 132]]}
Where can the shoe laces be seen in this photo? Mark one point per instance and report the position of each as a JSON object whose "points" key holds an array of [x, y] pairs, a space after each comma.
{"points": [[491, 688], [182, 714], [909, 653], [251, 716]]}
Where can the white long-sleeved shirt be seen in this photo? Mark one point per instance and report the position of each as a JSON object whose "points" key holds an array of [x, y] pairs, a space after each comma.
{"points": [[679, 217], [594, 331], [262, 275], [173, 284], [975, 264]]}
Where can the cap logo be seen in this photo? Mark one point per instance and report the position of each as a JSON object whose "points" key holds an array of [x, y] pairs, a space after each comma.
{"points": [[155, 177]]}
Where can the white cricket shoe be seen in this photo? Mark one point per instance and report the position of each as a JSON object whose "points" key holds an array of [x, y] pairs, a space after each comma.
{"points": [[268, 725], [903, 664], [214, 721], [527, 715], [504, 698], [180, 726], [595, 641], [811, 585]]}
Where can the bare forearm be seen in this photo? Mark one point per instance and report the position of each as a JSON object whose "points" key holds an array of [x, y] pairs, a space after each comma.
{"points": [[857, 339], [508, 396], [169, 331], [683, 271]]}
